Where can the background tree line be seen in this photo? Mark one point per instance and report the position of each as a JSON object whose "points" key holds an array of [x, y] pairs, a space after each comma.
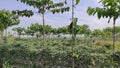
{"points": [[36, 29]]}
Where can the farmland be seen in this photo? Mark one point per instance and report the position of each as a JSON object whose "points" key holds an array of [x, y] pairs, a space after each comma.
{"points": [[41, 45], [57, 53]]}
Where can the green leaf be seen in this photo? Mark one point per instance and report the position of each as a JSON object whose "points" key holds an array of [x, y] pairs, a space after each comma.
{"points": [[77, 2], [99, 15], [65, 1], [75, 20]]}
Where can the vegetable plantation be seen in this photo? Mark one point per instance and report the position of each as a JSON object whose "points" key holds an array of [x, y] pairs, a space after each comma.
{"points": [[71, 46], [57, 54]]}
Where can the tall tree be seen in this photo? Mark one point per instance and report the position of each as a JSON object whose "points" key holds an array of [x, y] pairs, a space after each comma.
{"points": [[44, 6], [72, 27], [110, 9], [7, 19]]}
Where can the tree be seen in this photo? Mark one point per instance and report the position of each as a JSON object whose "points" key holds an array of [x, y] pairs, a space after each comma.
{"points": [[32, 29], [54, 31], [74, 20], [108, 31], [97, 33], [44, 6], [48, 29], [19, 30], [29, 32], [62, 30], [110, 9], [7, 19], [72, 27], [82, 29], [117, 29], [37, 29]]}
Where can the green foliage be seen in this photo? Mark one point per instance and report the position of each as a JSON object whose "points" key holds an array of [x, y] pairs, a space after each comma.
{"points": [[19, 30], [81, 29], [108, 31], [77, 2], [7, 19], [37, 29], [44, 6], [62, 30], [97, 32], [10, 39], [110, 10], [26, 13], [47, 5], [28, 53], [73, 25]]}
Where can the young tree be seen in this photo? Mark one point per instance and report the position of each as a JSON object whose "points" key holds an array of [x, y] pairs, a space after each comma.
{"points": [[62, 30], [117, 29], [7, 19], [54, 31], [44, 6], [108, 31], [82, 29], [19, 30], [110, 9], [38, 29], [72, 28], [48, 29], [97, 33], [33, 29], [29, 32]]}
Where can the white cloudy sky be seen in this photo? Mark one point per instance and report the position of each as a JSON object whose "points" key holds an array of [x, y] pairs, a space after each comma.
{"points": [[59, 20]]}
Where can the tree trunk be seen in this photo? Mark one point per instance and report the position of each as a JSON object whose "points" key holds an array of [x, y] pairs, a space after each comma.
{"points": [[43, 16], [73, 35], [1, 38], [113, 35], [5, 38]]}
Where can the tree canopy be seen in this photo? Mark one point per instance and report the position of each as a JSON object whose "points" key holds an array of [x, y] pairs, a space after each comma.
{"points": [[110, 9], [7, 19]]}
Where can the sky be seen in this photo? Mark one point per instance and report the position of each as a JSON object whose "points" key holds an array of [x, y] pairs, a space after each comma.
{"points": [[59, 20]]}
